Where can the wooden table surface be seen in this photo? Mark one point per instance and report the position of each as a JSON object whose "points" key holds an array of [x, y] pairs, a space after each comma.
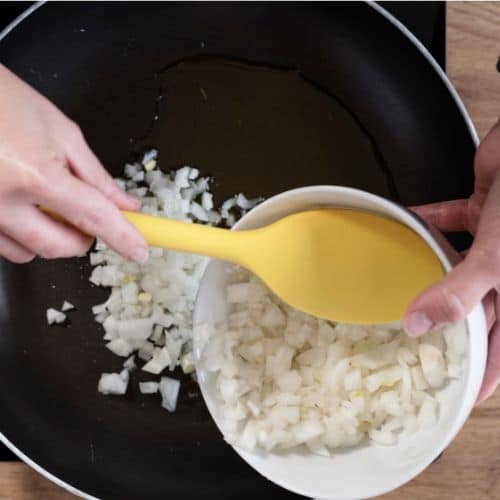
{"points": [[470, 468]]}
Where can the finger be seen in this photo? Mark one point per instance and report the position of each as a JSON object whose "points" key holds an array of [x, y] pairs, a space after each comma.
{"points": [[487, 160], [489, 308], [88, 210], [492, 374], [41, 234], [447, 216], [13, 251], [452, 298], [488, 228], [85, 165]]}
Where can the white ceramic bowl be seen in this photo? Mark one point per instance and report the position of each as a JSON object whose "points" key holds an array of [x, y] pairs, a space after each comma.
{"points": [[367, 470]]}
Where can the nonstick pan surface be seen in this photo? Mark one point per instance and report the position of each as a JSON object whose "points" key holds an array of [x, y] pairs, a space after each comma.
{"points": [[264, 97]]}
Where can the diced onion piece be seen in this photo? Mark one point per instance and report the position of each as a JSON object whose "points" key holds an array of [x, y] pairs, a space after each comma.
{"points": [[67, 306], [227, 205], [353, 380], [248, 438], [289, 381], [169, 390], [246, 204], [159, 361], [137, 328], [230, 220], [182, 177], [55, 316], [146, 351], [383, 378], [99, 309], [120, 347], [198, 212], [144, 297], [427, 416], [317, 447], [433, 365], [410, 423], [193, 174], [187, 363], [150, 165], [382, 437], [406, 356], [174, 347], [307, 430], [129, 363], [207, 201], [377, 357], [418, 378], [130, 170], [112, 383], [148, 387], [456, 342], [152, 154], [435, 339]]}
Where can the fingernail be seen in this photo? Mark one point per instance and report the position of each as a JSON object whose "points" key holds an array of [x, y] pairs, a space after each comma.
{"points": [[139, 254], [417, 323]]}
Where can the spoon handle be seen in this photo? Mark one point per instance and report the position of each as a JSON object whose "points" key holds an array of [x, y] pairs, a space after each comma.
{"points": [[193, 238]]}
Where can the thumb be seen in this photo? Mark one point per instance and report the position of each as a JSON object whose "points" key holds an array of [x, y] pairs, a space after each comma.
{"points": [[451, 299]]}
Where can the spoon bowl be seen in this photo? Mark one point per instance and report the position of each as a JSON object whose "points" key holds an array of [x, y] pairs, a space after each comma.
{"points": [[341, 264]]}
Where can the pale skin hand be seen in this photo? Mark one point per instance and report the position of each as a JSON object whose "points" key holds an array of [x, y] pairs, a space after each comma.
{"points": [[45, 161], [477, 277]]}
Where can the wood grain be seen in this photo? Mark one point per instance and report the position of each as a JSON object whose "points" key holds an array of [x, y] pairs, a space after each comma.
{"points": [[472, 57], [19, 482], [470, 467]]}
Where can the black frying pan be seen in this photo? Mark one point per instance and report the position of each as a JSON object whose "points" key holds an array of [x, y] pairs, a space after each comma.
{"points": [[292, 95]]}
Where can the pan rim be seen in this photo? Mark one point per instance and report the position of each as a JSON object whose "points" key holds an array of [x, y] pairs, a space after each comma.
{"points": [[430, 58], [380, 10]]}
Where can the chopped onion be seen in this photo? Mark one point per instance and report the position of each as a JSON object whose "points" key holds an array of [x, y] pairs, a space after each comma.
{"points": [[433, 365], [383, 437], [129, 363], [55, 316], [427, 416], [113, 383], [187, 363], [207, 201], [246, 204], [67, 306], [286, 379], [120, 347], [148, 387], [152, 154], [159, 361], [228, 205], [146, 351], [150, 306], [169, 390], [182, 177], [199, 212]]}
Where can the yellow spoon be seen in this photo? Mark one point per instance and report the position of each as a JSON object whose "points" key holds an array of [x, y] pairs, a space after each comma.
{"points": [[339, 264]]}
